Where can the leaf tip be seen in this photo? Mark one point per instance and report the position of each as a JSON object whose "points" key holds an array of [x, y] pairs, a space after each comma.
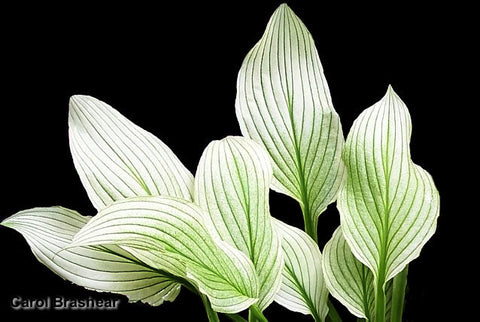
{"points": [[9, 222], [6, 223], [75, 100], [78, 101], [391, 93], [390, 89], [283, 9], [74, 104]]}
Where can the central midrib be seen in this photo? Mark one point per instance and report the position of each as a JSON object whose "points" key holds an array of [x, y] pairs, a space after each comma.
{"points": [[305, 202]]}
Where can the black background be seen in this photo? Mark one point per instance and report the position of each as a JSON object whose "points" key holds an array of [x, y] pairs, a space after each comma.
{"points": [[172, 70]]}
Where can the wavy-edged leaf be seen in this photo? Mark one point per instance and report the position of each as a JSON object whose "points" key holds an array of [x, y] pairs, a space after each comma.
{"points": [[175, 226], [116, 159], [303, 288], [283, 103], [106, 269], [349, 281], [232, 185], [389, 206]]}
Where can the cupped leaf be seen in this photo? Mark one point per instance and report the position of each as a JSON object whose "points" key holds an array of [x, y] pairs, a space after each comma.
{"points": [[389, 206], [106, 269], [116, 159], [283, 103], [232, 185], [176, 227], [349, 281], [303, 287]]}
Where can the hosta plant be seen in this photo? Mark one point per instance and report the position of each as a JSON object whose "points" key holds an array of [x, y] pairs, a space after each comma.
{"points": [[160, 228]]}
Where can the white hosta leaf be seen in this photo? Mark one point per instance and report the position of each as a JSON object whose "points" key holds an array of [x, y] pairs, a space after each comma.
{"points": [[349, 281], [303, 288], [389, 206], [283, 103], [160, 260], [176, 226], [232, 185], [49, 230], [116, 159]]}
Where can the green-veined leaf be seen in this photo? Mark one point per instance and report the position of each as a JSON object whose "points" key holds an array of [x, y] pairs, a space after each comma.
{"points": [[117, 159], [389, 206], [303, 288], [348, 280], [160, 260], [232, 185], [177, 227], [283, 102], [107, 269]]}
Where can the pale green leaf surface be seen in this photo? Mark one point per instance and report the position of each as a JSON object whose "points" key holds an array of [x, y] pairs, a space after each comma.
{"points": [[160, 260], [303, 287], [388, 206], [106, 269], [232, 185], [176, 226], [116, 159], [283, 103], [348, 280]]}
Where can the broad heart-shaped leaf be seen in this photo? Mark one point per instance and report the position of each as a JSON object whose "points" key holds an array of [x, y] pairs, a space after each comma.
{"points": [[349, 281], [388, 206], [232, 185], [117, 159], [303, 288], [176, 227], [283, 103], [107, 269]]}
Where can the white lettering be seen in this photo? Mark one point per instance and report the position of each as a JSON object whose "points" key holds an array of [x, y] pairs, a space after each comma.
{"points": [[19, 303], [16, 303], [62, 303]]}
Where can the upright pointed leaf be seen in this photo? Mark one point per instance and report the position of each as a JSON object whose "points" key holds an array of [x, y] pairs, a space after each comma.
{"points": [[176, 227], [303, 288], [389, 206], [283, 103], [232, 185], [107, 269], [117, 159]]}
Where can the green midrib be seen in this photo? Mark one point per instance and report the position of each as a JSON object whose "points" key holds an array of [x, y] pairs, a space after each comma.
{"points": [[380, 302], [305, 296], [310, 226]]}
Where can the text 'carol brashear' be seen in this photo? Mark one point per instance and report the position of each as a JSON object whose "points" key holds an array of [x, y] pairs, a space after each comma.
{"points": [[62, 303]]}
